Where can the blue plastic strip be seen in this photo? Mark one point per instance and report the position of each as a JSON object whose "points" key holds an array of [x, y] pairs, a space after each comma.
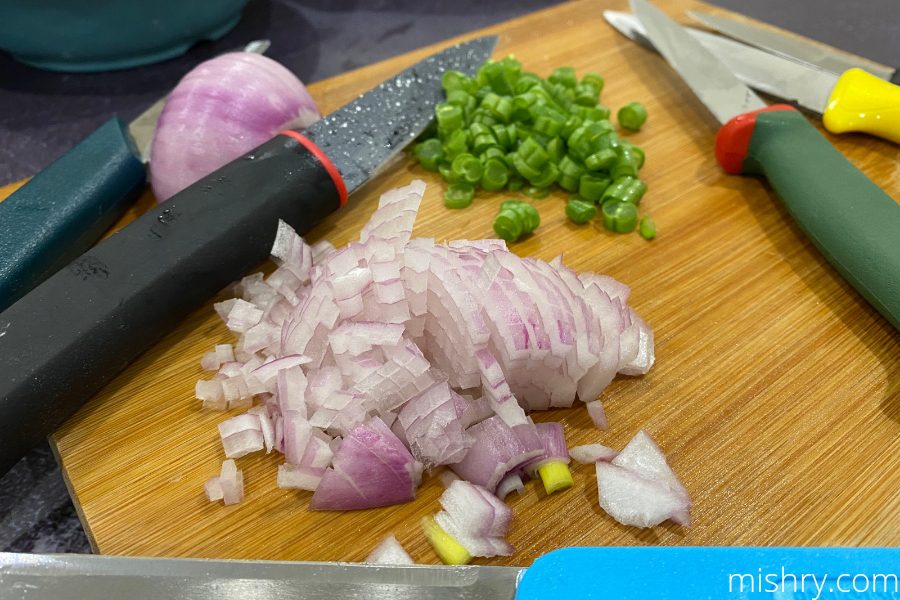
{"points": [[698, 573]]}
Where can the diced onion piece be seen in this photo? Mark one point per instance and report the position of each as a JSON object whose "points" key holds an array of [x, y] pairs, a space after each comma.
{"points": [[639, 488], [591, 453], [389, 552], [597, 414], [228, 486], [299, 477]]}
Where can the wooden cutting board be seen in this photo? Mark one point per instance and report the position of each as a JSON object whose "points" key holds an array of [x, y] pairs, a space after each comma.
{"points": [[776, 391]]}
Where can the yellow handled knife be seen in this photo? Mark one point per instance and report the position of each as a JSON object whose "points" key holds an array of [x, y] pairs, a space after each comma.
{"points": [[854, 101]]}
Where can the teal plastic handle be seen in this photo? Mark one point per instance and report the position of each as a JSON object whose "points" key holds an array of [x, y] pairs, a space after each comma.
{"points": [[695, 573], [854, 223], [63, 210]]}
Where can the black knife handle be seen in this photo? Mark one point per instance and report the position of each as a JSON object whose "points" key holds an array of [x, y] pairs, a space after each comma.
{"points": [[67, 338]]}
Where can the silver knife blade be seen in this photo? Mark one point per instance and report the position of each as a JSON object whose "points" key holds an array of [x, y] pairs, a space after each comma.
{"points": [[79, 576], [768, 73], [791, 47], [362, 136], [713, 83], [143, 125]]}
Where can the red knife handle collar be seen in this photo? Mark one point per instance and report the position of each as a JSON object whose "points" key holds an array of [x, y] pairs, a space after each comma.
{"points": [[332, 170], [733, 139]]}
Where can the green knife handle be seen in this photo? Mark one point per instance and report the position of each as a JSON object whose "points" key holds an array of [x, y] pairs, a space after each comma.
{"points": [[849, 218], [63, 210]]}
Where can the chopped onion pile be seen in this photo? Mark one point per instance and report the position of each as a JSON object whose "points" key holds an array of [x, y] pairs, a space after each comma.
{"points": [[638, 487], [389, 552], [372, 362], [224, 107]]}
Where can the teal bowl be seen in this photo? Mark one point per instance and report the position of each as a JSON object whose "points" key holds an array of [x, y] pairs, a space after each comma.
{"points": [[102, 35]]}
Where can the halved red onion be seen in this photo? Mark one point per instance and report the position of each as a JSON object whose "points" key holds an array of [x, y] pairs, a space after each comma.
{"points": [[224, 107], [389, 552], [371, 468]]}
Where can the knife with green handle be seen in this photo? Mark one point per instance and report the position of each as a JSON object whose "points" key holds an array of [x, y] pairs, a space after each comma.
{"points": [[851, 220]]}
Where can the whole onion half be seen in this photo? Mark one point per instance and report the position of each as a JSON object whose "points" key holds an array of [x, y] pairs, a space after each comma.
{"points": [[223, 108]]}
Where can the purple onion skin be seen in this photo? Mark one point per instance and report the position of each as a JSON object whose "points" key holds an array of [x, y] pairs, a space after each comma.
{"points": [[221, 109]]}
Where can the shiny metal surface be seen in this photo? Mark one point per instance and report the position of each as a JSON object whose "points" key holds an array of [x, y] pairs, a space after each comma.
{"points": [[143, 125], [765, 72], [81, 577], [361, 137], [821, 56], [713, 82]]}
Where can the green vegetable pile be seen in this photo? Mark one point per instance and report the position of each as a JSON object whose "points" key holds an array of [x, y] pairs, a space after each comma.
{"points": [[508, 129]]}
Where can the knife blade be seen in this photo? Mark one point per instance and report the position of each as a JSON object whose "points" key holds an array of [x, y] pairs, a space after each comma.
{"points": [[63, 210], [687, 573], [852, 222], [793, 47], [64, 340], [854, 101]]}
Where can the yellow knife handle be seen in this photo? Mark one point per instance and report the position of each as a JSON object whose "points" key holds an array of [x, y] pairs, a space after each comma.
{"points": [[862, 102]]}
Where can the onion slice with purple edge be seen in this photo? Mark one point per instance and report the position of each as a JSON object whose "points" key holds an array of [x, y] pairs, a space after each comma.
{"points": [[222, 108], [370, 361], [371, 468]]}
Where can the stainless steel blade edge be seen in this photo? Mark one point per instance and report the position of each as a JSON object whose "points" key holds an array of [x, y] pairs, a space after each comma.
{"points": [[363, 135], [768, 73], [713, 82]]}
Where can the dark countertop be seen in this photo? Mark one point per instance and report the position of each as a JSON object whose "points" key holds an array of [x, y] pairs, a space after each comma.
{"points": [[43, 113]]}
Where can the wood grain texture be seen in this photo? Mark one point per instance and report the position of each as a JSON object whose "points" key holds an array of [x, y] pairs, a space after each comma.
{"points": [[776, 391]]}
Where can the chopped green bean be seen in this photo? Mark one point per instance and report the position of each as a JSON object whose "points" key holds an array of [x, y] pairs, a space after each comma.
{"points": [[429, 153], [459, 195], [508, 225], [632, 116], [591, 187], [449, 117], [467, 168], [620, 217], [579, 211], [495, 175], [601, 160], [564, 75], [647, 228], [509, 129], [595, 80]]}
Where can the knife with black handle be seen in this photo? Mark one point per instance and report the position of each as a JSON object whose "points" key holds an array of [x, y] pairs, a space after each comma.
{"points": [[67, 338]]}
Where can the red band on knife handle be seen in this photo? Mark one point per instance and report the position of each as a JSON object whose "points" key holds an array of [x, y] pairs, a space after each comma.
{"points": [[323, 159], [733, 139]]}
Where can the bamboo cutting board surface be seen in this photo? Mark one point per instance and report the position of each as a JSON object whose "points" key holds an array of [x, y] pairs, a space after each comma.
{"points": [[776, 391]]}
